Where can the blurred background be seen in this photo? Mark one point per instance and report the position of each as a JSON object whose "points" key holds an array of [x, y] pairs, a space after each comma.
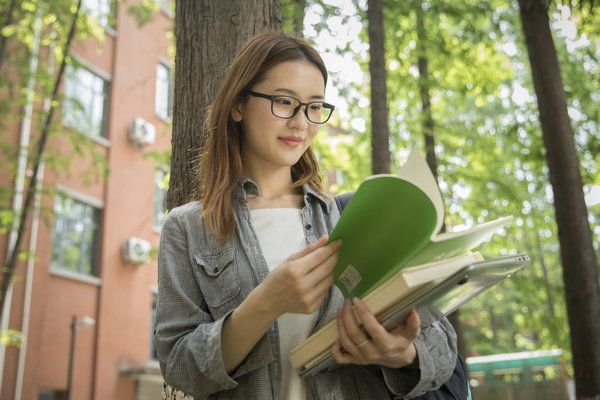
{"points": [[96, 128]]}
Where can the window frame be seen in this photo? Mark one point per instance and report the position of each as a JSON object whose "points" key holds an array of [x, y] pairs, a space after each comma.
{"points": [[71, 104], [93, 248], [166, 6], [156, 220], [51, 394], [106, 20], [169, 95]]}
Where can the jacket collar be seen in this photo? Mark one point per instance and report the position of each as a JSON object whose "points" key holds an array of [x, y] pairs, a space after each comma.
{"points": [[247, 186]]}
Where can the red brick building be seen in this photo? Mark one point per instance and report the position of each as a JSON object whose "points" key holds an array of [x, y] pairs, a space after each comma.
{"points": [[92, 255]]}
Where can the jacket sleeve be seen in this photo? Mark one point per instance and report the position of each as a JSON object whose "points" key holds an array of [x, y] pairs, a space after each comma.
{"points": [[186, 336], [436, 351]]}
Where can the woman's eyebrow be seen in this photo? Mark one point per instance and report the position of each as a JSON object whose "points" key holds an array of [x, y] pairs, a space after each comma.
{"points": [[293, 93]]}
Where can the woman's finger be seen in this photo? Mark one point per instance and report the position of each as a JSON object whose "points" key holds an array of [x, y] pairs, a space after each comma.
{"points": [[344, 350], [351, 324], [373, 328], [310, 248], [411, 328]]}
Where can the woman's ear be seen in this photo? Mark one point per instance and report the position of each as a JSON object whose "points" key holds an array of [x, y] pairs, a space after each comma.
{"points": [[236, 112]]}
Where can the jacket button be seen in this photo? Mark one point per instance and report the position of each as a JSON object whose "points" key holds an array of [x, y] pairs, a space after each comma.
{"points": [[308, 227], [216, 270]]}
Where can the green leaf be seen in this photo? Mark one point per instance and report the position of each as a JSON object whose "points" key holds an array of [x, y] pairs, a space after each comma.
{"points": [[28, 6], [11, 337], [8, 30]]}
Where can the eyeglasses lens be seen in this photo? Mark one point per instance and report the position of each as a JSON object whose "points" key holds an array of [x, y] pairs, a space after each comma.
{"points": [[286, 107]]}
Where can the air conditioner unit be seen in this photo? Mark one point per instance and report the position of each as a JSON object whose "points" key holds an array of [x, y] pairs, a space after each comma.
{"points": [[141, 132], [136, 250]]}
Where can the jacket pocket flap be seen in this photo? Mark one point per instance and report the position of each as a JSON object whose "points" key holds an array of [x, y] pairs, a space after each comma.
{"points": [[215, 263]]}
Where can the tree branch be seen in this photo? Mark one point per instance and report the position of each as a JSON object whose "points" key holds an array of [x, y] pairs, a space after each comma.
{"points": [[8, 271], [3, 40]]}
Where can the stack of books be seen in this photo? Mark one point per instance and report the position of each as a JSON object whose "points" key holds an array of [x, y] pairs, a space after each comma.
{"points": [[394, 257]]}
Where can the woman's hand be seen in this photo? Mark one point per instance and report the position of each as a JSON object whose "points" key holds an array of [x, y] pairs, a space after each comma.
{"points": [[298, 285], [374, 344], [301, 282]]}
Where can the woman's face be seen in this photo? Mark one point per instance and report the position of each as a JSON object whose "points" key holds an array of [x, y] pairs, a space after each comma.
{"points": [[271, 142]]}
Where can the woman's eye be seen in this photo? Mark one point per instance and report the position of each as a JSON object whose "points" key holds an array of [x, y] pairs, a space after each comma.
{"points": [[316, 106], [283, 101]]}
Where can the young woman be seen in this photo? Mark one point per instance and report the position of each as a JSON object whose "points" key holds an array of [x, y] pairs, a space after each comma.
{"points": [[245, 270]]}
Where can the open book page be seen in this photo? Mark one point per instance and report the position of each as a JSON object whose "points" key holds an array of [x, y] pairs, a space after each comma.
{"points": [[438, 270], [449, 244], [390, 224], [416, 171]]}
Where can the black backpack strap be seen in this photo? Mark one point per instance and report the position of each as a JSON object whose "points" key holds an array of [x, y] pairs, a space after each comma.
{"points": [[342, 199]]}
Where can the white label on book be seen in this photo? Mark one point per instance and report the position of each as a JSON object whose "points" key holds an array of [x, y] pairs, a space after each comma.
{"points": [[350, 277]]}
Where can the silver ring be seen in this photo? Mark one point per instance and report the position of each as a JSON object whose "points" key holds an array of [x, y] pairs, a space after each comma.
{"points": [[363, 343]]}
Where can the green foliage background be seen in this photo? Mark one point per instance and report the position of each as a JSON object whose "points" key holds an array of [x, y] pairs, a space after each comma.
{"points": [[18, 33], [489, 147], [491, 159]]}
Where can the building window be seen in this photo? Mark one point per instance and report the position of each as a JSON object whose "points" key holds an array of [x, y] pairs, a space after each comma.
{"points": [[164, 92], [340, 177], [102, 11], [74, 236], [167, 6], [49, 394], [161, 185], [153, 355], [86, 102]]}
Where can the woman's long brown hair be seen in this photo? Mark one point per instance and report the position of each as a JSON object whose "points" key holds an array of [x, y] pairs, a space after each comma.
{"points": [[220, 166]]}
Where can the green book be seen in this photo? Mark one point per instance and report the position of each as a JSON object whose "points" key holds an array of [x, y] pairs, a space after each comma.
{"points": [[393, 222]]}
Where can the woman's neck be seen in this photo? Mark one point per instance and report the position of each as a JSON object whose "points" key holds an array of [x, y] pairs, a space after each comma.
{"points": [[276, 191]]}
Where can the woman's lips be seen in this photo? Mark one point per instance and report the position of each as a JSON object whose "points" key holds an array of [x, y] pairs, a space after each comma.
{"points": [[292, 141]]}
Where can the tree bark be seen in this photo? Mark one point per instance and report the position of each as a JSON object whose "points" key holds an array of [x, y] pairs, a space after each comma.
{"points": [[549, 299], [208, 35], [380, 133], [6, 22], [424, 89], [580, 267], [299, 14]]}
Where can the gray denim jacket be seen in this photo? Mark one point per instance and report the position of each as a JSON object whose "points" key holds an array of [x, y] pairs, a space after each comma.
{"points": [[202, 282]]}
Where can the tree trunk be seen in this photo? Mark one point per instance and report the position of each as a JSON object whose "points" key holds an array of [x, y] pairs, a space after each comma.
{"points": [[425, 92], [380, 133], [299, 14], [429, 138], [208, 35], [7, 20], [493, 325], [549, 299], [580, 267]]}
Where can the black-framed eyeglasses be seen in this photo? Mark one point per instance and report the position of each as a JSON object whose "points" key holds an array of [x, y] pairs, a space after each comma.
{"points": [[286, 107]]}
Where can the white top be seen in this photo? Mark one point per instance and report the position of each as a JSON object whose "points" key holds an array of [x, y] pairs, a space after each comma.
{"points": [[281, 233]]}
